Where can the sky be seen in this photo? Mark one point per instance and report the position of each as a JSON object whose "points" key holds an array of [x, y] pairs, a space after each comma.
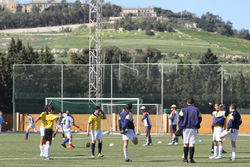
{"points": [[236, 11]]}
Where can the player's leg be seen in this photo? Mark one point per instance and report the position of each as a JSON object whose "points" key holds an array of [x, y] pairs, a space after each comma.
{"points": [[99, 137], [125, 148], [186, 144], [149, 134], [192, 140], [233, 138], [132, 136], [171, 133], [176, 139], [215, 143], [212, 149], [27, 132], [0, 128], [219, 140], [66, 140], [48, 138], [94, 138], [42, 145], [54, 134]]}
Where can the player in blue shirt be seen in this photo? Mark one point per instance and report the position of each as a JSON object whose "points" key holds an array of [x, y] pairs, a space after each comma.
{"points": [[1, 121], [232, 130]]}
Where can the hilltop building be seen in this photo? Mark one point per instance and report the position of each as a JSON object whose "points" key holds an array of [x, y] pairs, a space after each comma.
{"points": [[11, 6], [139, 11]]}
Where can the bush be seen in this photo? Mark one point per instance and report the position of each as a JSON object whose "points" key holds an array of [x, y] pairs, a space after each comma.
{"points": [[149, 32], [67, 29]]}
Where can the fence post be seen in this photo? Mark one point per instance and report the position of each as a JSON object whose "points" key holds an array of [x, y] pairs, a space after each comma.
{"points": [[222, 83]]}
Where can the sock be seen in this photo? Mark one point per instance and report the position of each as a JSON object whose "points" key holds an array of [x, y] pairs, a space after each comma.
{"points": [[148, 140], [93, 148], [66, 140], [47, 150], [63, 135], [125, 151], [41, 149], [233, 152], [54, 135], [99, 148], [38, 132], [212, 145], [220, 150], [44, 149], [27, 135], [191, 152], [215, 151], [185, 152]]}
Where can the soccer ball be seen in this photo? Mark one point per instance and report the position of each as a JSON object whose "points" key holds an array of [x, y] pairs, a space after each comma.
{"points": [[87, 144]]}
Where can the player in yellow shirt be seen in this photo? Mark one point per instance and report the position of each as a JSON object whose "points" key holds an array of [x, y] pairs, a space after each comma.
{"points": [[50, 118], [42, 117], [94, 123]]}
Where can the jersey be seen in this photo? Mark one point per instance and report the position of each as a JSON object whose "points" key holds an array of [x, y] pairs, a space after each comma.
{"points": [[50, 121], [31, 120], [126, 120], [43, 118], [95, 121], [59, 121], [234, 121], [1, 120], [146, 119], [219, 117], [67, 122]]}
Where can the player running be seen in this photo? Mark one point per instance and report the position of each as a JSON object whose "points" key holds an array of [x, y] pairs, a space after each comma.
{"points": [[31, 125], [127, 128], [94, 123], [147, 124], [219, 117], [1, 121], [42, 117], [232, 129], [66, 129], [58, 126]]}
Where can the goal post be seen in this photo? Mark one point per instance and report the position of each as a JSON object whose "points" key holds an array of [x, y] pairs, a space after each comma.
{"points": [[86, 105]]}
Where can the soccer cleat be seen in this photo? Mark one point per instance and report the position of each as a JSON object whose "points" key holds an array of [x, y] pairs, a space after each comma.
{"points": [[25, 138], [212, 157], [231, 159], [41, 155], [146, 144], [92, 156], [224, 151], [176, 143], [100, 155], [53, 138], [150, 144], [185, 161], [128, 160], [192, 161], [212, 151], [63, 138], [170, 144], [47, 158], [63, 145], [218, 157]]}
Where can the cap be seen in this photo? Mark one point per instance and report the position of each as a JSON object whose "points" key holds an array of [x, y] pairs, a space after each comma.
{"points": [[143, 108], [173, 106]]}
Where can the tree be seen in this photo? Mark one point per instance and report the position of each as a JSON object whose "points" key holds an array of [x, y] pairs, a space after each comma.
{"points": [[45, 56]]}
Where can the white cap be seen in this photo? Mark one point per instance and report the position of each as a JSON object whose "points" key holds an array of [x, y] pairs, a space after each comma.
{"points": [[143, 108]]}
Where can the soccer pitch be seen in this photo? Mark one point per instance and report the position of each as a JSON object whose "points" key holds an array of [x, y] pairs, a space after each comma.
{"points": [[15, 151]]}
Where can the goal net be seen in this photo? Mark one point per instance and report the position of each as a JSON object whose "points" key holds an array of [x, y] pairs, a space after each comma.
{"points": [[86, 106], [154, 111]]}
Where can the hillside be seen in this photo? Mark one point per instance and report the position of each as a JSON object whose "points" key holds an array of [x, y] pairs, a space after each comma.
{"points": [[183, 42]]}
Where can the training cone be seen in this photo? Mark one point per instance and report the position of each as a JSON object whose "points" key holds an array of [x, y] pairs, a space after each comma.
{"points": [[70, 143]]}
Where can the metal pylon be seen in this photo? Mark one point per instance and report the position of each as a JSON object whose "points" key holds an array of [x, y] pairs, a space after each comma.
{"points": [[95, 49]]}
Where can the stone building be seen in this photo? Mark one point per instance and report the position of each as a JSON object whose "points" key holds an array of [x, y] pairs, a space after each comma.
{"points": [[139, 11]]}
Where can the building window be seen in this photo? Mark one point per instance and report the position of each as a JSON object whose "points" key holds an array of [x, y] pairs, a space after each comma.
{"points": [[139, 11]]}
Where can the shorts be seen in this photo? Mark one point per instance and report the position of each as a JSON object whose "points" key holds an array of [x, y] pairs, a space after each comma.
{"points": [[68, 133], [233, 136], [130, 134], [189, 136], [42, 130], [216, 134], [32, 126], [48, 134], [96, 134], [58, 127]]}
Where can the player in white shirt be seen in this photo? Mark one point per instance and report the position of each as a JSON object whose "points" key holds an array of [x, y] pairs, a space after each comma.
{"points": [[66, 124], [31, 125], [58, 125]]}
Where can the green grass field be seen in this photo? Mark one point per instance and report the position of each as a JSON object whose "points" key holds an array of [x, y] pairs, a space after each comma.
{"points": [[15, 151]]}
